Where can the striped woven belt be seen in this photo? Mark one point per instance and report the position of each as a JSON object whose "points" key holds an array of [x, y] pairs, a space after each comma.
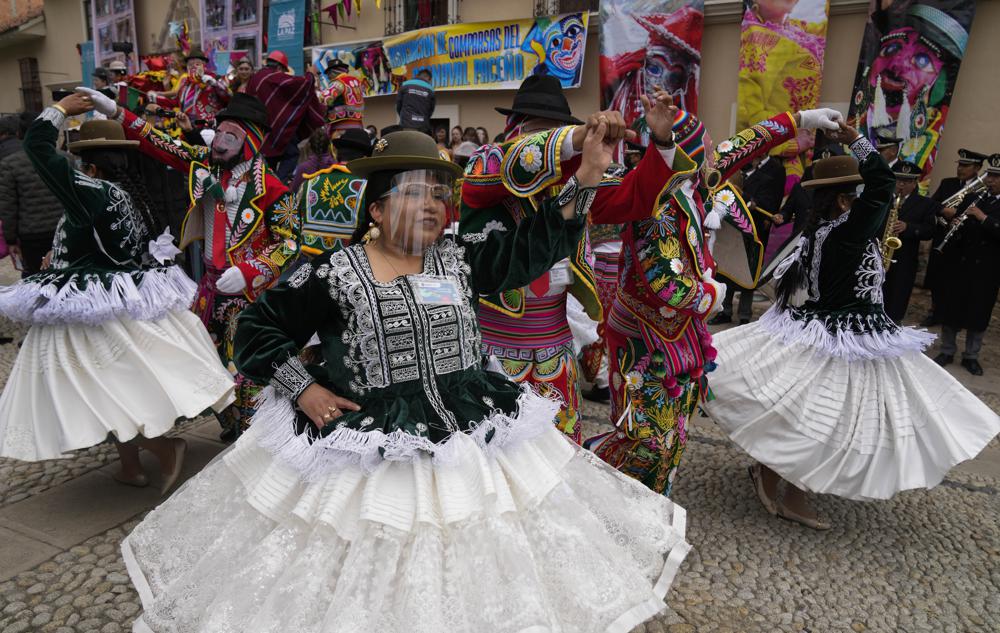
{"points": [[543, 325]]}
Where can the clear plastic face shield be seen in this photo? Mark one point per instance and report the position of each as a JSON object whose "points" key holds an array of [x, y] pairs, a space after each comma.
{"points": [[415, 208]]}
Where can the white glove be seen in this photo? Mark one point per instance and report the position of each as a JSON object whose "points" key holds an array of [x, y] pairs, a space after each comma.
{"points": [[820, 119], [162, 248], [231, 281], [209, 79], [102, 103]]}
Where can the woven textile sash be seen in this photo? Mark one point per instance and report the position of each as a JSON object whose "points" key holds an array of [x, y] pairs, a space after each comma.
{"points": [[543, 325]]}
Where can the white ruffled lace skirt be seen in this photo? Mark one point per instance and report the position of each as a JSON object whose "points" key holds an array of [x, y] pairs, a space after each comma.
{"points": [[863, 428], [72, 385], [535, 536]]}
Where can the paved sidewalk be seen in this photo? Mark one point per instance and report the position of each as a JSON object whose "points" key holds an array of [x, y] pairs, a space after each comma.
{"points": [[926, 561]]}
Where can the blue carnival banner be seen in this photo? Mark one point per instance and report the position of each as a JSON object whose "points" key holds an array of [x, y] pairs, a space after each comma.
{"points": [[493, 55], [286, 29]]}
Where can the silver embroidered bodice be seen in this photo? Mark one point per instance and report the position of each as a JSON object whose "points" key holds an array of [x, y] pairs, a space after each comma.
{"points": [[390, 337]]}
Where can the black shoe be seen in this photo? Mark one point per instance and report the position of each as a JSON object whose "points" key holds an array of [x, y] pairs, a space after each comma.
{"points": [[229, 435], [744, 321], [973, 366], [5, 339], [930, 321], [598, 394], [720, 319], [944, 359]]}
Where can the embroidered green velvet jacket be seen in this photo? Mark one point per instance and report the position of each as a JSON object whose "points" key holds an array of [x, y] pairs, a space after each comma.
{"points": [[505, 184], [98, 270], [413, 367]]}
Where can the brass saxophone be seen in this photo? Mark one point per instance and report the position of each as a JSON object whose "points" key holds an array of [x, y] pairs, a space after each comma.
{"points": [[891, 243]]}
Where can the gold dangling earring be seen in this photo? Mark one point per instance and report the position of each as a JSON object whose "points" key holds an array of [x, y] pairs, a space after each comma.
{"points": [[372, 234]]}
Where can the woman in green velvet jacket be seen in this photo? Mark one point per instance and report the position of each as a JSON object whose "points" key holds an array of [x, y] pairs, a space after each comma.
{"points": [[825, 391], [395, 485]]}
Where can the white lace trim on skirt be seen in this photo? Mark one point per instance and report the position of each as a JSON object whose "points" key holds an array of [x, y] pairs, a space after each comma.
{"points": [[160, 291], [273, 428], [541, 536], [844, 344]]}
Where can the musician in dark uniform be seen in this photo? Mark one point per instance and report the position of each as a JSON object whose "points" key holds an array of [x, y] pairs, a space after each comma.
{"points": [[916, 222], [763, 189], [887, 144], [969, 164], [972, 260]]}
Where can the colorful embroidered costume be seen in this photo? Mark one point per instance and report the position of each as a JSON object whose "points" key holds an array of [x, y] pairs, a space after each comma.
{"points": [[526, 329], [112, 347], [200, 99], [247, 218], [658, 344], [345, 102], [329, 201]]}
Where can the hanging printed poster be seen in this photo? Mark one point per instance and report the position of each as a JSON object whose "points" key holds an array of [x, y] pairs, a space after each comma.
{"points": [[910, 57], [493, 55], [781, 67], [647, 44]]}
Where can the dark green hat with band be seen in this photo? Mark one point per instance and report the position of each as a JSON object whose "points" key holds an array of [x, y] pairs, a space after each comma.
{"points": [[406, 150]]}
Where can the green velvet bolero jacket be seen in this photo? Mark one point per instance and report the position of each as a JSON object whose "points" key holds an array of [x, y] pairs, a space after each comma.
{"points": [[413, 368], [100, 268], [842, 313]]}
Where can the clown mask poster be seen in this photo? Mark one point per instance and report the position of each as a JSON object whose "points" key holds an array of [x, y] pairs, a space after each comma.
{"points": [[649, 44], [909, 62]]}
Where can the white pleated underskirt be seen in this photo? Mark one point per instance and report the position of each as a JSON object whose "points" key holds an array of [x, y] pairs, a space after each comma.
{"points": [[72, 385], [859, 429], [539, 536]]}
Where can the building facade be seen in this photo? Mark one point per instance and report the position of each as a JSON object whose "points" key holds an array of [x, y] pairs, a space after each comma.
{"points": [[38, 51]]}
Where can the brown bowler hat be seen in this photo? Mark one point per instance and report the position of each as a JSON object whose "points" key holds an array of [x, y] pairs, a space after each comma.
{"points": [[403, 151], [836, 170], [103, 134]]}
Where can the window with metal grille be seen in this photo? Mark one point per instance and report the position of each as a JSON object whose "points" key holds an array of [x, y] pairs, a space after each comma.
{"points": [[409, 15], [31, 86], [555, 7]]}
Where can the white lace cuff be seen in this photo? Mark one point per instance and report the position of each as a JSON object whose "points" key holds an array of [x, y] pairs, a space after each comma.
{"points": [[291, 378], [862, 148], [53, 116]]}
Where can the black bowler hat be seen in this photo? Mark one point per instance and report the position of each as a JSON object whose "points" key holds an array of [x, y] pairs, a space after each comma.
{"points": [[906, 170], [969, 157], [541, 96], [356, 139], [244, 107], [196, 53]]}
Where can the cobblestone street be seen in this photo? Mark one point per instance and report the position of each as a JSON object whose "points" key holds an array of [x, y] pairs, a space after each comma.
{"points": [[926, 561]]}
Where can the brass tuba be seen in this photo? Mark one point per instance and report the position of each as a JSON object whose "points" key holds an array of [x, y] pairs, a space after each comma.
{"points": [[975, 185], [891, 243]]}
